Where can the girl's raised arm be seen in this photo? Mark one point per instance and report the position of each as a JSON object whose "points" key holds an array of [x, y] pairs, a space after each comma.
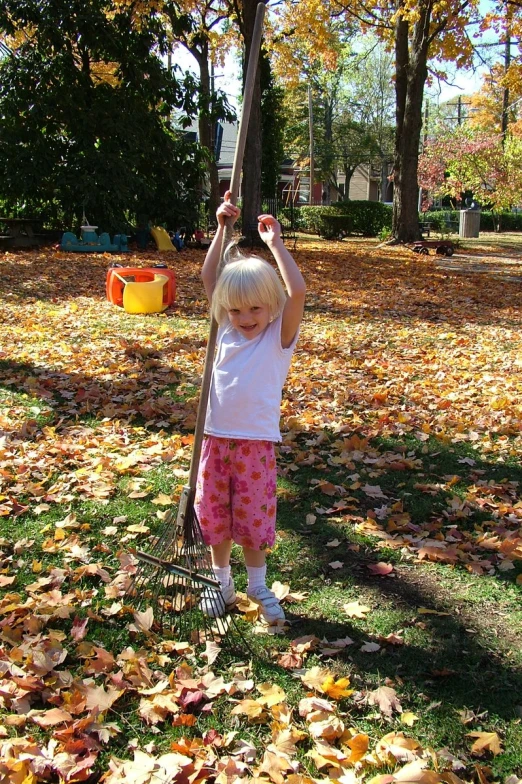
{"points": [[212, 259], [270, 232]]}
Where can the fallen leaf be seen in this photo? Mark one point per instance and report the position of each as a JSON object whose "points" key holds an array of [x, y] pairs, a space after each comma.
{"points": [[485, 741], [386, 700], [355, 610]]}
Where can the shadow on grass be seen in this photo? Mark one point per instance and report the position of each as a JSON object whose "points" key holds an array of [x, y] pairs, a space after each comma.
{"points": [[468, 656], [144, 391]]}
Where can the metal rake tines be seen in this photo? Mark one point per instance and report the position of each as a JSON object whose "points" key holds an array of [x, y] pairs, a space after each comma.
{"points": [[179, 571], [173, 586]]}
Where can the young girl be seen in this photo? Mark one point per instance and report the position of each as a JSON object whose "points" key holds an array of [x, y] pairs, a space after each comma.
{"points": [[258, 329]]}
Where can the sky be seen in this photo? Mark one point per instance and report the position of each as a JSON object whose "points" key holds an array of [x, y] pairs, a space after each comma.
{"points": [[461, 82]]}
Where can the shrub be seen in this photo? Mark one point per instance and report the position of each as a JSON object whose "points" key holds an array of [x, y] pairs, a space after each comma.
{"points": [[368, 218], [444, 220]]}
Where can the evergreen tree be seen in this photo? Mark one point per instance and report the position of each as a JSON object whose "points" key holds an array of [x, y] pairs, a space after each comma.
{"points": [[85, 108]]}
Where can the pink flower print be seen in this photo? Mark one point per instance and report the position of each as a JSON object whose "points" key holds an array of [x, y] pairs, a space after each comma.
{"points": [[246, 500], [241, 487], [221, 485], [256, 475], [219, 466], [220, 511], [257, 522], [271, 488], [240, 514], [240, 467], [272, 510], [245, 450], [243, 536], [206, 474]]}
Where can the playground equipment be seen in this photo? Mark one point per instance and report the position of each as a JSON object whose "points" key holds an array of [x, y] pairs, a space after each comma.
{"points": [[161, 238], [128, 287], [90, 242], [145, 296]]}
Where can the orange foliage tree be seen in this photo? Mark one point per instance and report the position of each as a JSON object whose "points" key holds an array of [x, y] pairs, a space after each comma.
{"points": [[416, 31]]}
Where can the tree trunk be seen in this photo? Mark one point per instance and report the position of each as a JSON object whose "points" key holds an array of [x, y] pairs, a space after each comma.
{"points": [[384, 178], [251, 189], [411, 74], [206, 123], [348, 174]]}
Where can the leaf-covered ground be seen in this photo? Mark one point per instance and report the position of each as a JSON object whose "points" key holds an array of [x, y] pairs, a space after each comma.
{"points": [[399, 548]]}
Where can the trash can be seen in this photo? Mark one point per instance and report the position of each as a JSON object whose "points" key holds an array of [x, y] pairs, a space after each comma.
{"points": [[469, 223]]}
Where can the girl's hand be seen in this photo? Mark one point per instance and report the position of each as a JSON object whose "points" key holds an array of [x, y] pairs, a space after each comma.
{"points": [[227, 210], [269, 229]]}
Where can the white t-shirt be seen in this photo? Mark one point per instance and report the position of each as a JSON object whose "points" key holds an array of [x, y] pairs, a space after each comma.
{"points": [[247, 382]]}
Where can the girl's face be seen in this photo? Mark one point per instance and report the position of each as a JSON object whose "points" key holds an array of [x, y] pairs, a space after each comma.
{"points": [[250, 320]]}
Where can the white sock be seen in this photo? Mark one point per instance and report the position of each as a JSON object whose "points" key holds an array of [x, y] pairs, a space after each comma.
{"points": [[223, 574], [256, 577]]}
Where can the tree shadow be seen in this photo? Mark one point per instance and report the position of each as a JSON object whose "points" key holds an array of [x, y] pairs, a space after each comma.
{"points": [[455, 664], [452, 664], [144, 391]]}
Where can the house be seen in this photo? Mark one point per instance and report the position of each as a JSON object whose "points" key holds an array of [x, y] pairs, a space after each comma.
{"points": [[294, 182]]}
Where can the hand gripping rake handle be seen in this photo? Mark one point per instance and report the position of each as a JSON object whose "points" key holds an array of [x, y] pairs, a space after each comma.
{"points": [[187, 497]]}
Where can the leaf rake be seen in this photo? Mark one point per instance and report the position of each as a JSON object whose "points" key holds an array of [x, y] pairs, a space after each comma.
{"points": [[172, 577]]}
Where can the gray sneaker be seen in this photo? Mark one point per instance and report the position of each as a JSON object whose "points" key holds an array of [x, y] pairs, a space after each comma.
{"points": [[268, 604], [216, 603]]}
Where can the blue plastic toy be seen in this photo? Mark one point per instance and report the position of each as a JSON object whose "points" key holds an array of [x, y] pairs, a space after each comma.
{"points": [[90, 242]]}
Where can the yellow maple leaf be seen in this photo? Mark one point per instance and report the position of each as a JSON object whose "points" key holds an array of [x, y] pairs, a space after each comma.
{"points": [[315, 677], [486, 741], [336, 689], [251, 708], [409, 718], [358, 746], [271, 694], [355, 610]]}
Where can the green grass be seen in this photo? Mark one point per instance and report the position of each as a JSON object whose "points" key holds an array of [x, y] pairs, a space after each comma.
{"points": [[466, 659]]}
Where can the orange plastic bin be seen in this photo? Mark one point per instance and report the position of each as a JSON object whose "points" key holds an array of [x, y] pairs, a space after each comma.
{"points": [[114, 286]]}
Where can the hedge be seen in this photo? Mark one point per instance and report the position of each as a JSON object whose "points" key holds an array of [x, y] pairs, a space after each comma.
{"points": [[368, 218], [442, 220]]}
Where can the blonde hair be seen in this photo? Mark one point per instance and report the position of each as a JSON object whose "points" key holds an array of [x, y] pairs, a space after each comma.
{"points": [[245, 282]]}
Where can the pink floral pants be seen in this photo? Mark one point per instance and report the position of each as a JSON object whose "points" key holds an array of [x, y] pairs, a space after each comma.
{"points": [[236, 492]]}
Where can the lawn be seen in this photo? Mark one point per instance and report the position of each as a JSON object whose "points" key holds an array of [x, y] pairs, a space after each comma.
{"points": [[399, 550]]}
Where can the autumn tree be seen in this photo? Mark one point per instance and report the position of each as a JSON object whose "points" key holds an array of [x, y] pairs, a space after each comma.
{"points": [[470, 159], [351, 115], [85, 106], [198, 27], [416, 32]]}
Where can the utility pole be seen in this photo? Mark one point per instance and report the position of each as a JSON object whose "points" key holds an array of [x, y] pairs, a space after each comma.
{"points": [[311, 132]]}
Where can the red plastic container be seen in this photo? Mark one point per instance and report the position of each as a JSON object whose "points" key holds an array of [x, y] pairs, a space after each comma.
{"points": [[114, 286]]}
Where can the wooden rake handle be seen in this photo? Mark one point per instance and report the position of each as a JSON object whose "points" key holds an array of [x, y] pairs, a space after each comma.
{"points": [[234, 191]]}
